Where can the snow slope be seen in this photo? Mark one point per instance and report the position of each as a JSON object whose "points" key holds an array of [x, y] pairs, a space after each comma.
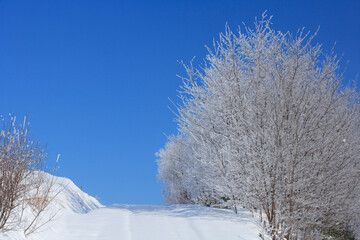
{"points": [[71, 198], [68, 199], [174, 222], [82, 217]]}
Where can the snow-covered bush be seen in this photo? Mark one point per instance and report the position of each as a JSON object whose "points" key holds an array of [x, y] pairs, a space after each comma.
{"points": [[269, 123]]}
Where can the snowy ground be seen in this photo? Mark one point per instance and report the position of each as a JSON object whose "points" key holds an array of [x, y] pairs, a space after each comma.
{"points": [[174, 222], [83, 218]]}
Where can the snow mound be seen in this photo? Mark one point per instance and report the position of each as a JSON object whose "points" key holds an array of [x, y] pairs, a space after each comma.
{"points": [[71, 198], [67, 198]]}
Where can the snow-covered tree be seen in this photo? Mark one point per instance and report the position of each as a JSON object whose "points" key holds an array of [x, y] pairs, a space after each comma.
{"points": [[174, 172], [271, 125]]}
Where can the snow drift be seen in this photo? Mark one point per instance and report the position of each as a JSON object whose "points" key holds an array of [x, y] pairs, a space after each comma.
{"points": [[67, 199]]}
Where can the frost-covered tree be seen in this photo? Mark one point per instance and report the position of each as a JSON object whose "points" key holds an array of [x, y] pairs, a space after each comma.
{"points": [[173, 171], [184, 179], [273, 127]]}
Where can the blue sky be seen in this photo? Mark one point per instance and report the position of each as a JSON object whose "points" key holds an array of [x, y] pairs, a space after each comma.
{"points": [[95, 76]]}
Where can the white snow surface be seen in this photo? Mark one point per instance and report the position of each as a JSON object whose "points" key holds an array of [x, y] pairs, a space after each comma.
{"points": [[71, 198], [82, 217], [153, 222]]}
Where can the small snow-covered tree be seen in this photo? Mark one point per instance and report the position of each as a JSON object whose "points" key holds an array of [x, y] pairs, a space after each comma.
{"points": [[173, 171], [184, 180], [273, 127]]}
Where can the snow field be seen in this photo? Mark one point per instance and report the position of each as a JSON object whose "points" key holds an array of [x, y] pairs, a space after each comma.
{"points": [[172, 222], [82, 217]]}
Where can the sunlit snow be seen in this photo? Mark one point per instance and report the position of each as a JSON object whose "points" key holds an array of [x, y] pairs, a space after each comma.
{"points": [[82, 217]]}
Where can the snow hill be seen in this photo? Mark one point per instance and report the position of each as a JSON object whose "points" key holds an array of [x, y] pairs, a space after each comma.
{"points": [[82, 217]]}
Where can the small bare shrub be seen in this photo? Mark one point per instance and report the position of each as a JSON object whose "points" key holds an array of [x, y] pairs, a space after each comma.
{"points": [[23, 185]]}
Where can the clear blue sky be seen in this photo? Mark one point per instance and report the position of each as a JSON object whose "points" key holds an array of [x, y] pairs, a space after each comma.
{"points": [[95, 76]]}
